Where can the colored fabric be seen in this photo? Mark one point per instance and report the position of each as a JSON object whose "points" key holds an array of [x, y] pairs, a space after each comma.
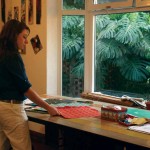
{"points": [[78, 112], [70, 104], [14, 125], [13, 78], [64, 102]]}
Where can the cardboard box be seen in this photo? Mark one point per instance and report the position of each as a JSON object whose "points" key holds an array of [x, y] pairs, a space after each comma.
{"points": [[113, 113]]}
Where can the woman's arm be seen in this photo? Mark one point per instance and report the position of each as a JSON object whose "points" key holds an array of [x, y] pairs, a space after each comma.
{"points": [[33, 96]]}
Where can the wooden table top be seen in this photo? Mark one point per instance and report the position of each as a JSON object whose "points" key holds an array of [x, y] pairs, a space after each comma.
{"points": [[96, 126]]}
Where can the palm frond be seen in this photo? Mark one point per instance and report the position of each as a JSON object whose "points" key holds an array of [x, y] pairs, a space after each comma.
{"points": [[78, 70], [70, 46], [109, 31], [102, 21], [135, 69], [129, 32], [109, 49], [69, 22]]}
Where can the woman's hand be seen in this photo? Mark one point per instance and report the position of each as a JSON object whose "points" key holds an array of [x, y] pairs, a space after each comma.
{"points": [[53, 111], [32, 95]]}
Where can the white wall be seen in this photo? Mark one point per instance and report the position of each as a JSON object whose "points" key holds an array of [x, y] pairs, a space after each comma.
{"points": [[52, 48], [36, 63]]}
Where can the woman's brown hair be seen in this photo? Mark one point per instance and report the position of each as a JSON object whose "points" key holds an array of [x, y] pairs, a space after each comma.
{"points": [[8, 36]]}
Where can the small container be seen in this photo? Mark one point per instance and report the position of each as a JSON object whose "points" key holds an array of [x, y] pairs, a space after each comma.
{"points": [[113, 113]]}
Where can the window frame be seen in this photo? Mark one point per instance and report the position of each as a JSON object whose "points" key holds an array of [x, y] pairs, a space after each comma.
{"points": [[94, 13], [88, 51], [89, 40], [142, 3], [109, 5]]}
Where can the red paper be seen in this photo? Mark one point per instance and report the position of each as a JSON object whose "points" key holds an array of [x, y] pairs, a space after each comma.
{"points": [[78, 112]]}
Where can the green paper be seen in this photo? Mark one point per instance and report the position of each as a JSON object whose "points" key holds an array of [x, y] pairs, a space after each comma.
{"points": [[139, 112]]}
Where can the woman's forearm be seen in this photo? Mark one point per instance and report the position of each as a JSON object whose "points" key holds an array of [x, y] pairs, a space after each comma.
{"points": [[33, 96]]}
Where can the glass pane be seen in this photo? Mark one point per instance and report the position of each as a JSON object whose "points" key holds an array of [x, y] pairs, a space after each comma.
{"points": [[73, 4], [122, 54], [72, 55], [108, 1]]}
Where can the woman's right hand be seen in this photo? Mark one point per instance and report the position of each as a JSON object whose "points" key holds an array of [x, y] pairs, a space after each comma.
{"points": [[32, 95], [53, 111]]}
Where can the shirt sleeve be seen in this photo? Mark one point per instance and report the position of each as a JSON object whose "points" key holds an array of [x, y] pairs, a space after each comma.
{"points": [[15, 67]]}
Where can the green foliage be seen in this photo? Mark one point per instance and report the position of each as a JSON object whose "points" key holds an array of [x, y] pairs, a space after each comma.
{"points": [[73, 35], [122, 38], [73, 52], [74, 4], [134, 69], [109, 49], [122, 49]]}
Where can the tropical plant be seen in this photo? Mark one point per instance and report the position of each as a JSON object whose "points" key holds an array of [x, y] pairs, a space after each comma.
{"points": [[122, 51], [124, 45], [73, 53]]}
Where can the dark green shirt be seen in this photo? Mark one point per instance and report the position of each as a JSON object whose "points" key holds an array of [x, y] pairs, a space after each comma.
{"points": [[13, 79]]}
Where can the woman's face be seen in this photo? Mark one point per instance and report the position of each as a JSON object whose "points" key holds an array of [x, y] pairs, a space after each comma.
{"points": [[22, 39]]}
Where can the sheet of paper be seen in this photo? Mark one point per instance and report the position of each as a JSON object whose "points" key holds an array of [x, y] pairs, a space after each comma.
{"points": [[28, 101], [144, 128]]}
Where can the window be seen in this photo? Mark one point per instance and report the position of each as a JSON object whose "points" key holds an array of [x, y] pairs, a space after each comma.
{"points": [[122, 54], [72, 55], [73, 47], [115, 57]]}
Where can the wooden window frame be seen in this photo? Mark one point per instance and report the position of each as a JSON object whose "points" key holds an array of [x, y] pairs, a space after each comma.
{"points": [[110, 5], [142, 3]]}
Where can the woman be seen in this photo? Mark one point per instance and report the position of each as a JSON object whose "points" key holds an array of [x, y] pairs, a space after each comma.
{"points": [[15, 88]]}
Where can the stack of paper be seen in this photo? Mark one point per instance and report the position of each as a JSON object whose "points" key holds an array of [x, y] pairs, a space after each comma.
{"points": [[144, 128]]}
